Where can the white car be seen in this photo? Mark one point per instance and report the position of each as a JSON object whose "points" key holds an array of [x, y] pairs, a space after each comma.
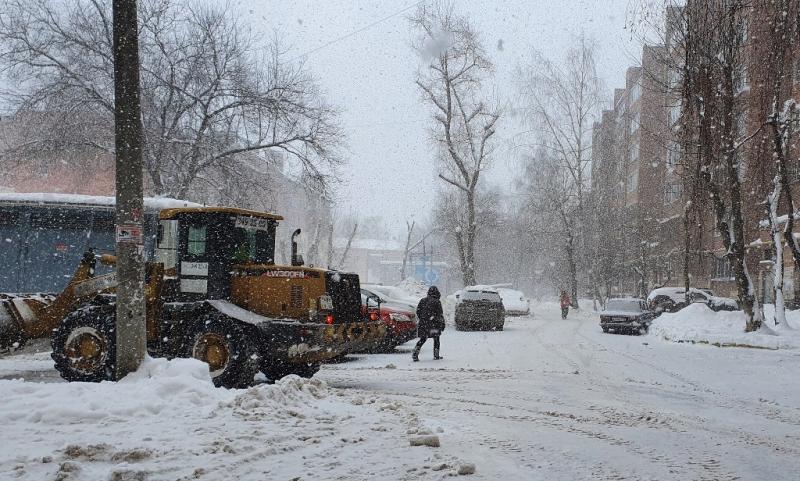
{"points": [[671, 299], [394, 295], [515, 302]]}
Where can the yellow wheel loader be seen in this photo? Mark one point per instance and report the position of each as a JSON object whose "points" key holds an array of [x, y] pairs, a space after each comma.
{"points": [[213, 293]]}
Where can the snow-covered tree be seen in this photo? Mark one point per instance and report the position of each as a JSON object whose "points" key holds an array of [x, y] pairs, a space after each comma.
{"points": [[451, 81]]}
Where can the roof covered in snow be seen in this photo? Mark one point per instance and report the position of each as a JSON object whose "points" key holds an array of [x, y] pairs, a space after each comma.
{"points": [[46, 198]]}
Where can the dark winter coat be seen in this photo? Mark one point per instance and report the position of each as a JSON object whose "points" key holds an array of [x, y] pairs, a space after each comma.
{"points": [[429, 313]]}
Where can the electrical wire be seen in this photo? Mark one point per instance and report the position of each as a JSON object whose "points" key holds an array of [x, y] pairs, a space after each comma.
{"points": [[355, 32]]}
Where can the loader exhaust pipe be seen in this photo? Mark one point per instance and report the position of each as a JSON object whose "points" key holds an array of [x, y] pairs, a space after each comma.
{"points": [[297, 259]]}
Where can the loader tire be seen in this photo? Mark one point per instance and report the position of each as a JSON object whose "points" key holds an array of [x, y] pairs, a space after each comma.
{"points": [[84, 345], [226, 346], [275, 371]]}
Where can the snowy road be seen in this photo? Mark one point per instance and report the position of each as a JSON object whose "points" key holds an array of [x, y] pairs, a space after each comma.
{"points": [[544, 399], [553, 399]]}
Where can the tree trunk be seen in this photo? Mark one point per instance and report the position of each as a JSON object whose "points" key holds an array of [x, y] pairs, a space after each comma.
{"points": [[347, 247], [406, 249], [573, 271], [469, 248], [773, 202]]}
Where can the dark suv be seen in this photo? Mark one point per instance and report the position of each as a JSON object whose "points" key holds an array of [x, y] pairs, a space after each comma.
{"points": [[479, 309]]}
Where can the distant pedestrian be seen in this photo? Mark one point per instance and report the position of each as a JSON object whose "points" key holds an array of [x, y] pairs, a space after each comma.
{"points": [[565, 301], [430, 318]]}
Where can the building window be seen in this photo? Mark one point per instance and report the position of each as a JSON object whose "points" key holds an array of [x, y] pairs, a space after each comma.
{"points": [[636, 92], [634, 151], [722, 268], [633, 180], [741, 81], [672, 192], [796, 71], [673, 155], [674, 114], [741, 124], [635, 120]]}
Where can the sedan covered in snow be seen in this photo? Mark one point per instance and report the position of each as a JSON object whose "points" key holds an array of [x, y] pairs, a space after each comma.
{"points": [[514, 302], [479, 308], [627, 314], [673, 299], [400, 320]]}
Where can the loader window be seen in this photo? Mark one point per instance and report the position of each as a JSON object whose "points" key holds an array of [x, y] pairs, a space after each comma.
{"points": [[196, 240], [166, 252], [257, 246]]}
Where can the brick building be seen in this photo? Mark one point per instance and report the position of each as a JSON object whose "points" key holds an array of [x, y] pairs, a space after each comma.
{"points": [[636, 145]]}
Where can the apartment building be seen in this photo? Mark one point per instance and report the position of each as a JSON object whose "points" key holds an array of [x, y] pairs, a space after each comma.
{"points": [[637, 145]]}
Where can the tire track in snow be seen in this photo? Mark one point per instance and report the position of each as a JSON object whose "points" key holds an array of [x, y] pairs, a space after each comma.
{"points": [[719, 399]]}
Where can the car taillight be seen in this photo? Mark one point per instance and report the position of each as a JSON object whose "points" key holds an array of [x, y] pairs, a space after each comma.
{"points": [[373, 316], [329, 319]]}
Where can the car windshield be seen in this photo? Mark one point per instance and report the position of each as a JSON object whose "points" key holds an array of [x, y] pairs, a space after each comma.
{"points": [[623, 305], [371, 295]]}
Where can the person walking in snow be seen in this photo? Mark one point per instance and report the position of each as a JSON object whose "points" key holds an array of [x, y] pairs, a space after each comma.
{"points": [[430, 318], [565, 301]]}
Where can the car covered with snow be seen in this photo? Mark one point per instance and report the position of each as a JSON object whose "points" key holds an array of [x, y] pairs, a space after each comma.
{"points": [[400, 320], [396, 295], [514, 302], [479, 308], [673, 299], [626, 314]]}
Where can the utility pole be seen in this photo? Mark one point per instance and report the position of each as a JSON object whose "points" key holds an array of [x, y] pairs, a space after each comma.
{"points": [[130, 330]]}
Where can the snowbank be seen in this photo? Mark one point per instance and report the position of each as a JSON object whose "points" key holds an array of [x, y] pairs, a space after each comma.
{"points": [[168, 421], [177, 388], [167, 416], [698, 323]]}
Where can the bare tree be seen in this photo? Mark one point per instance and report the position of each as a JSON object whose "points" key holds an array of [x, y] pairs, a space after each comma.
{"points": [[209, 94], [407, 248], [346, 250], [451, 83], [561, 101], [714, 64]]}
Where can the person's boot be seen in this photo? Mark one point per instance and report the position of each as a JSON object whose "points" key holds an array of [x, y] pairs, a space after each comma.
{"points": [[436, 355], [415, 354]]}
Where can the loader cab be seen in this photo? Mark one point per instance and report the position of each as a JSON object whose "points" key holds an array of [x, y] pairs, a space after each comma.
{"points": [[199, 248]]}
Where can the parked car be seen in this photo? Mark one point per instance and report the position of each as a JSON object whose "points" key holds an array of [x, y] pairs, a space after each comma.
{"points": [[479, 308], [401, 322], [514, 302], [673, 299], [626, 314], [395, 295]]}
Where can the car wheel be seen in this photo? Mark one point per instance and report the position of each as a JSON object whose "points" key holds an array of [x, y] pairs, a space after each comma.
{"points": [[605, 329]]}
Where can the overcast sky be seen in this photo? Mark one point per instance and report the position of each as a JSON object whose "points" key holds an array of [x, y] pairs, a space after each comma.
{"points": [[365, 64]]}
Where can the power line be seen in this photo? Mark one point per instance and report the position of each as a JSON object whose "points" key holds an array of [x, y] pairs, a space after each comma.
{"points": [[354, 32]]}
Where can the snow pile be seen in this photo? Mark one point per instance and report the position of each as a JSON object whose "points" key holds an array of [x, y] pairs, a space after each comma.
{"points": [[178, 388], [166, 410], [413, 287], [698, 323]]}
